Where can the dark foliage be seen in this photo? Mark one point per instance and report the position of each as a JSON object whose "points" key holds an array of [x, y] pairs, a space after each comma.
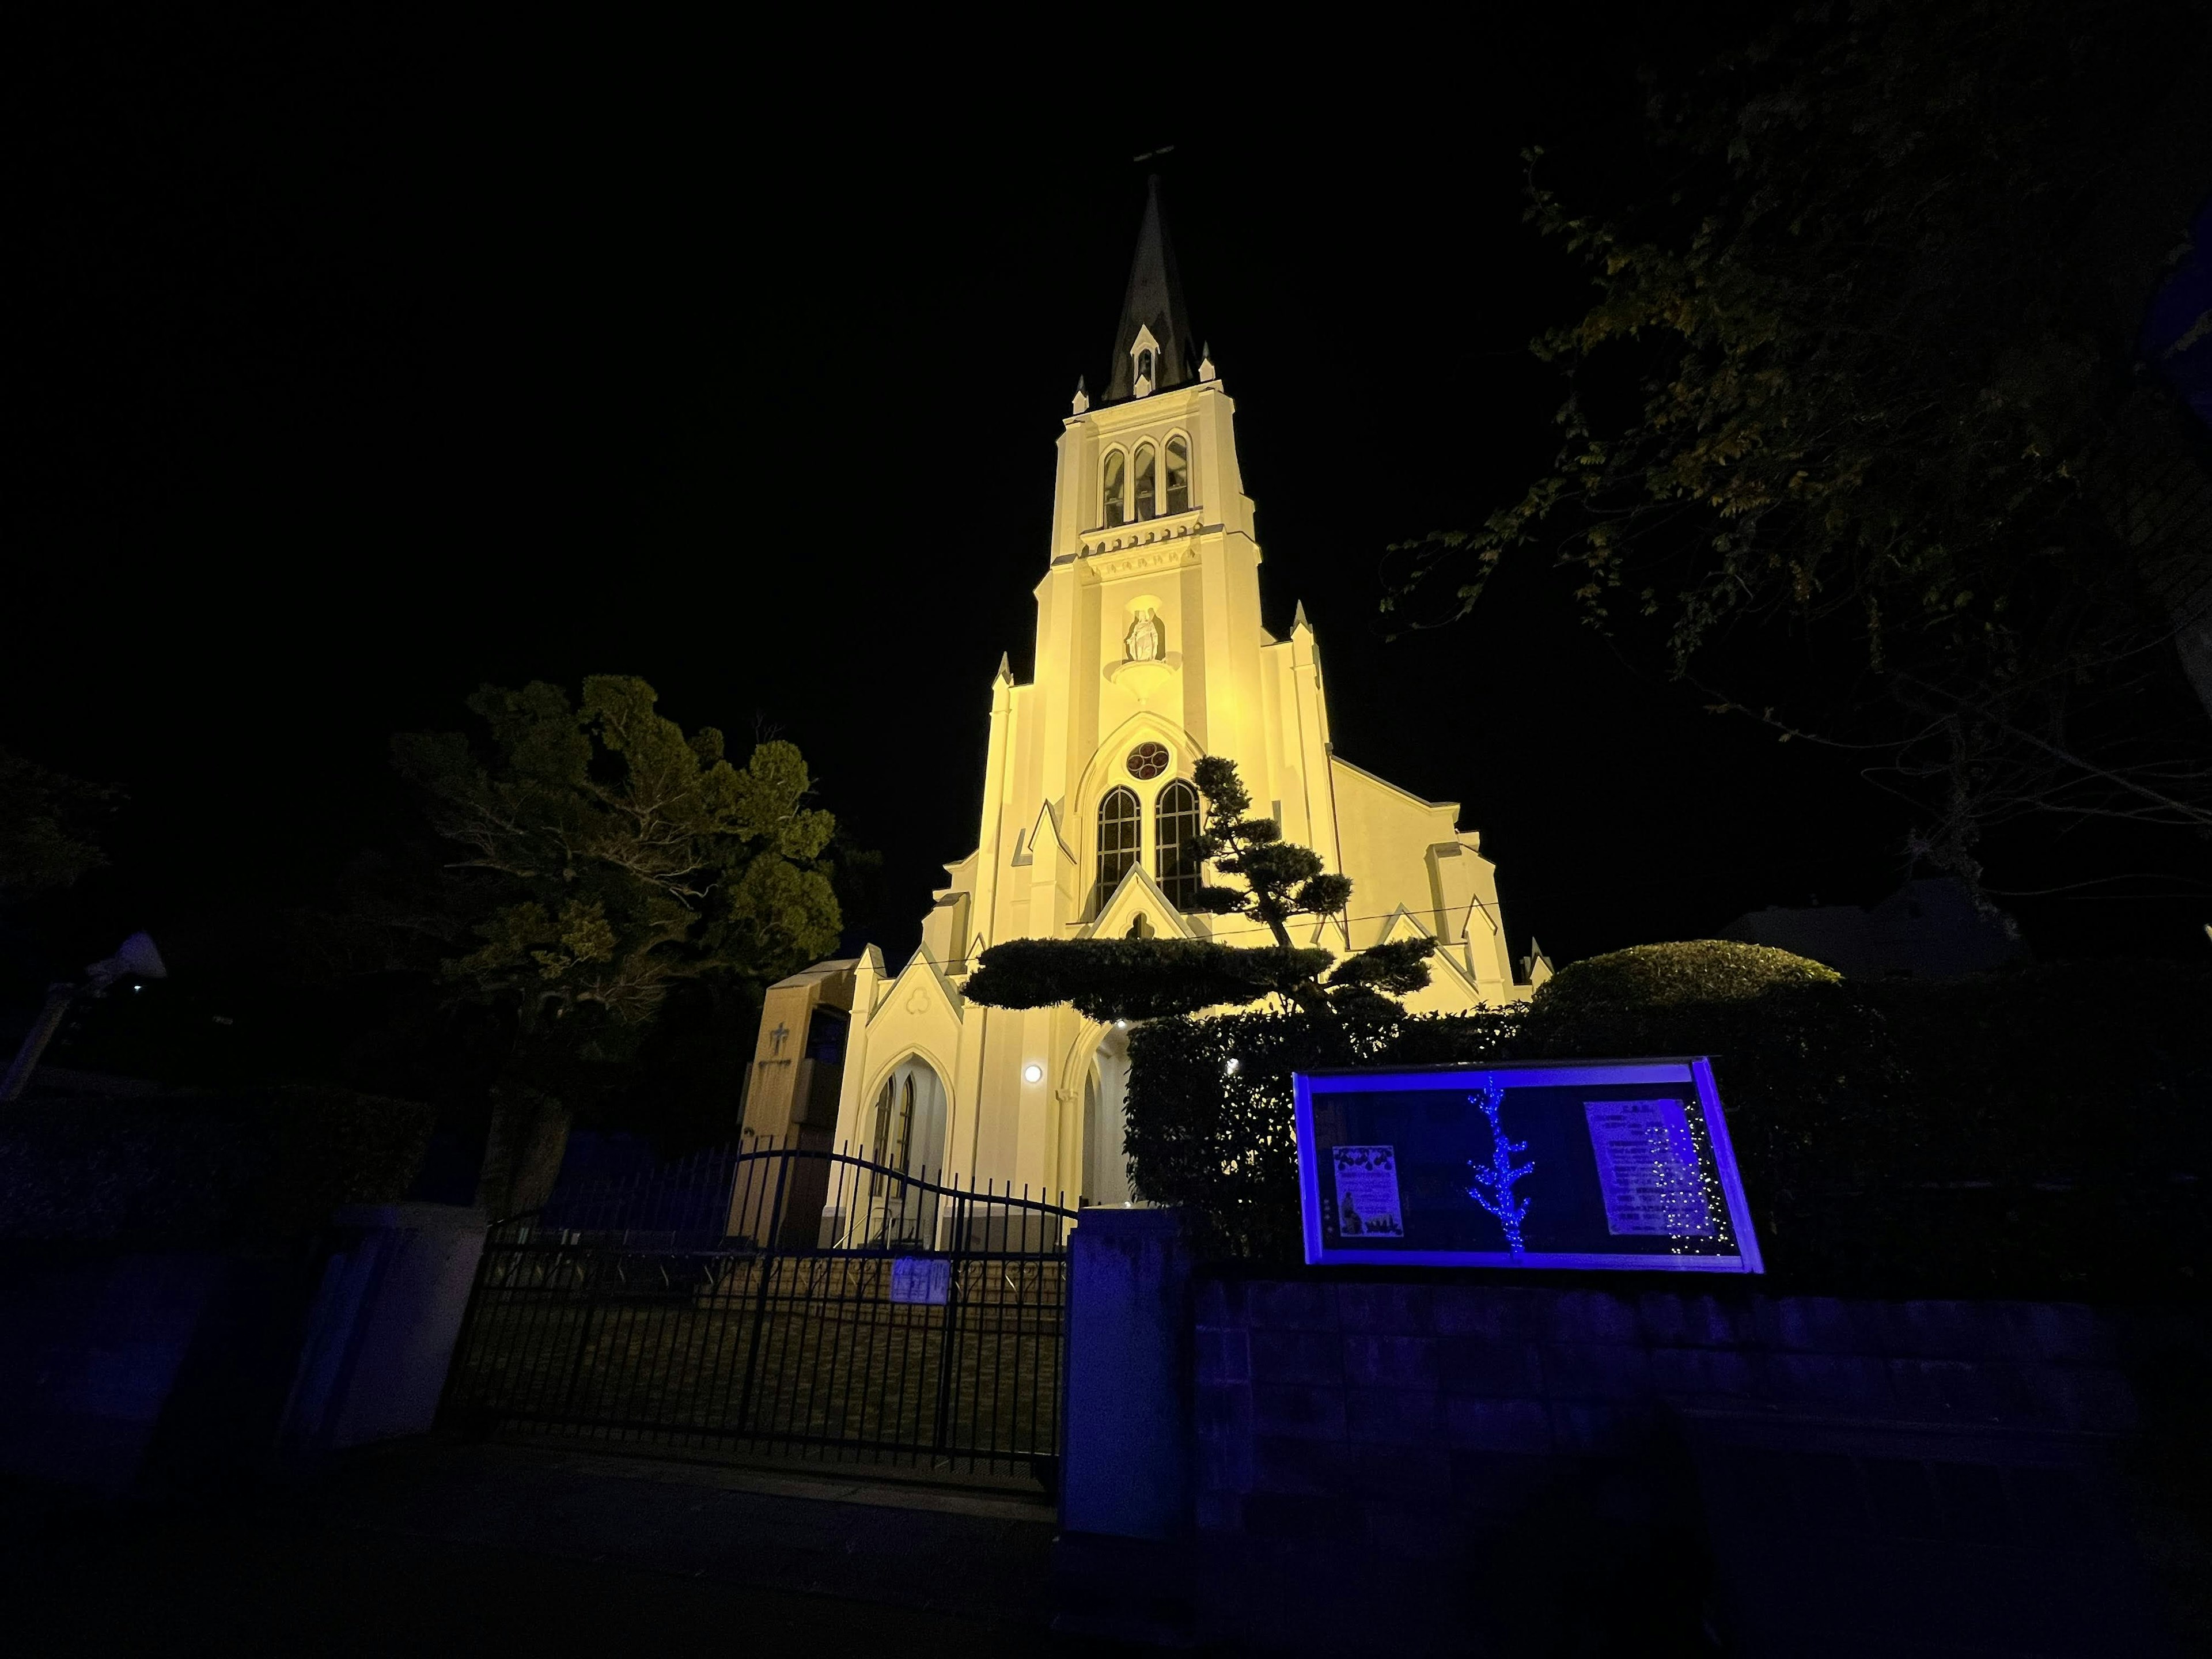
{"points": [[1697, 971], [1209, 1108], [257, 1169], [2045, 1132], [47, 828], [1132, 978], [1858, 430]]}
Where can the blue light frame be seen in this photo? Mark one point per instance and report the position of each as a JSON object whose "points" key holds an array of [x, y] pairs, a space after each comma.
{"points": [[1695, 1070]]}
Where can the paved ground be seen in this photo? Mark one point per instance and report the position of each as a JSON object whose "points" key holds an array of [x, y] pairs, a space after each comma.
{"points": [[437, 1548]]}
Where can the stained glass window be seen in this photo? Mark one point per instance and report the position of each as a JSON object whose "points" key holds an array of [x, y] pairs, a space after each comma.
{"points": [[1148, 760]]}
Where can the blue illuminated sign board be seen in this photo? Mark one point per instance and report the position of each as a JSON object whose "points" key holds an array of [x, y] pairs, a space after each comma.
{"points": [[1595, 1164]]}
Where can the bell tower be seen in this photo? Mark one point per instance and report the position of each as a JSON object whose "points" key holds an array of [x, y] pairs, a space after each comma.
{"points": [[1148, 616], [1150, 654]]}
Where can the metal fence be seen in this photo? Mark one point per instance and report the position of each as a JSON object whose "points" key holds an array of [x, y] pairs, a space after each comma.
{"points": [[798, 1303]]}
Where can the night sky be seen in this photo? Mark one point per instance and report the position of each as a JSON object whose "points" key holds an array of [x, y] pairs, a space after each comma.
{"points": [[351, 368]]}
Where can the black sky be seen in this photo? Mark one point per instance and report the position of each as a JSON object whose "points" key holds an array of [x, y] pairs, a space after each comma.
{"points": [[353, 364]]}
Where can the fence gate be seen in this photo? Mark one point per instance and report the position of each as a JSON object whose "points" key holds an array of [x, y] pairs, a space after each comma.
{"points": [[779, 1302]]}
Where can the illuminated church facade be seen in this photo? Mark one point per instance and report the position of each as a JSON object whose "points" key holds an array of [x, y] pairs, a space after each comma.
{"points": [[1150, 653]]}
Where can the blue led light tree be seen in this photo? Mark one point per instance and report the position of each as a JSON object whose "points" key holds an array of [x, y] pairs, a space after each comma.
{"points": [[1493, 1186]]}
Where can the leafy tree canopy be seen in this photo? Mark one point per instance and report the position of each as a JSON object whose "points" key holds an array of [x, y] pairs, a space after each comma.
{"points": [[605, 855], [1856, 423], [1141, 978]]}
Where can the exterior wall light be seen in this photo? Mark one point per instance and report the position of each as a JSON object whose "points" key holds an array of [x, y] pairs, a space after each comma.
{"points": [[1032, 1073]]}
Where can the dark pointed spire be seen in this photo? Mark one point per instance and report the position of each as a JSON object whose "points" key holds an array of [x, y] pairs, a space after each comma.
{"points": [[1154, 303]]}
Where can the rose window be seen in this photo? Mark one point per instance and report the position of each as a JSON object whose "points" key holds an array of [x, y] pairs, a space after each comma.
{"points": [[1148, 760]]}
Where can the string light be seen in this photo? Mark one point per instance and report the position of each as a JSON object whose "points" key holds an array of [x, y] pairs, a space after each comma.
{"points": [[1493, 1187]]}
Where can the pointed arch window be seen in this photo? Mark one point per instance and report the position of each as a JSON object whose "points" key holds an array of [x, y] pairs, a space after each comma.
{"points": [[1175, 842], [1178, 475], [893, 1137], [1117, 466], [1120, 824], [1144, 366], [1147, 482]]}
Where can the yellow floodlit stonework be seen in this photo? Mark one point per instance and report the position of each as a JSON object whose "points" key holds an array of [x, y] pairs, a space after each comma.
{"points": [[1150, 652]]}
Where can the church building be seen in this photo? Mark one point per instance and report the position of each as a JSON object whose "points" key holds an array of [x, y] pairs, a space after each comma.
{"points": [[1150, 653]]}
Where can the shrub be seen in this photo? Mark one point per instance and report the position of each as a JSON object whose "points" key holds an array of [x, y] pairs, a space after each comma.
{"points": [[2045, 1131], [1697, 970]]}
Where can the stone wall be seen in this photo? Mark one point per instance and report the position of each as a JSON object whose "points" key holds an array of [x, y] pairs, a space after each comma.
{"points": [[154, 1370], [1484, 1466]]}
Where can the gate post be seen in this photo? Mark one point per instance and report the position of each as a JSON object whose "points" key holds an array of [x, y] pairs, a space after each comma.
{"points": [[1120, 1567], [1127, 1470]]}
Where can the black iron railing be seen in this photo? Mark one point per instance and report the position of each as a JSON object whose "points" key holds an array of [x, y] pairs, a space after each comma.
{"points": [[815, 1304]]}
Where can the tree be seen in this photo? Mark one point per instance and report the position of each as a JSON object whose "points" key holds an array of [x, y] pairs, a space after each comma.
{"points": [[45, 838], [605, 857], [1856, 422], [1142, 978]]}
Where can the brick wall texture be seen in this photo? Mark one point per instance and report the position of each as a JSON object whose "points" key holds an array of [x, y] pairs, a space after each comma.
{"points": [[1391, 1434]]}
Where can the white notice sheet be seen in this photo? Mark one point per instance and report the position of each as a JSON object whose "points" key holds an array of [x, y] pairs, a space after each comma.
{"points": [[1367, 1193], [1646, 1162], [923, 1279]]}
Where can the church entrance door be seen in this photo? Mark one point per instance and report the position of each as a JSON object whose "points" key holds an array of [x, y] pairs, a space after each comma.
{"points": [[1105, 1121], [785, 1302]]}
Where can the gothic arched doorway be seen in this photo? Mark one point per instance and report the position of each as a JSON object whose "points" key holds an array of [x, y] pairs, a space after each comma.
{"points": [[906, 1126], [906, 1134], [1105, 1096]]}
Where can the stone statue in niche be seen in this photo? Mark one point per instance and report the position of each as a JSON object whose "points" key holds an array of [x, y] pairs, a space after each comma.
{"points": [[1143, 643]]}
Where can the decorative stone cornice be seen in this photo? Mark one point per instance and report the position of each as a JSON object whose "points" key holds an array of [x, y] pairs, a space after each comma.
{"points": [[1132, 560], [1144, 533]]}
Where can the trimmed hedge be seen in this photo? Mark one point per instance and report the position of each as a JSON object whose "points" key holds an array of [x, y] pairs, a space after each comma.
{"points": [[1657, 976], [254, 1169], [2044, 1131]]}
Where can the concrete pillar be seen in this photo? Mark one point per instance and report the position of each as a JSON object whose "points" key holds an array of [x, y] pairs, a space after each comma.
{"points": [[381, 1336], [1128, 1468]]}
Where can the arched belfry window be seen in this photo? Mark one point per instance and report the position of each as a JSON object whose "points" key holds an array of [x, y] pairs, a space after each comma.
{"points": [[1117, 466], [1178, 475], [1147, 482], [1144, 364], [1120, 824], [1176, 842]]}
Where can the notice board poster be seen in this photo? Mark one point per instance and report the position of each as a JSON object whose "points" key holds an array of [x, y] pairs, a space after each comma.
{"points": [[1598, 1164]]}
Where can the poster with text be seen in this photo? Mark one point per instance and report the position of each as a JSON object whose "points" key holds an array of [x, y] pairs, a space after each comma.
{"points": [[1647, 1167], [1367, 1193], [1577, 1164]]}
